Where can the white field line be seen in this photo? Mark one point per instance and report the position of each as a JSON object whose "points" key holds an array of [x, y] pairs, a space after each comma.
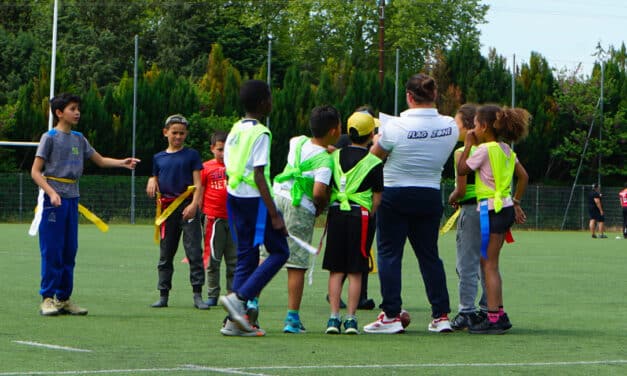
{"points": [[53, 347], [246, 370]]}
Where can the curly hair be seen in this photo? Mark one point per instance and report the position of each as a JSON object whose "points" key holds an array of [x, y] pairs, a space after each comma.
{"points": [[507, 124]]}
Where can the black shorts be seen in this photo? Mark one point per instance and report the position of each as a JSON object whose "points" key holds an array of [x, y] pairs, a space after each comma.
{"points": [[502, 221], [596, 215], [343, 251]]}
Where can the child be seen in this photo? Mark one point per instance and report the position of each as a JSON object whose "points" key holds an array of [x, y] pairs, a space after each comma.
{"points": [[495, 163], [218, 239], [56, 170], [252, 211], [301, 195], [358, 183], [468, 232], [176, 177]]}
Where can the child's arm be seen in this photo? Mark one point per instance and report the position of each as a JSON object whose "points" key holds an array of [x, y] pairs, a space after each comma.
{"points": [[462, 167], [460, 184], [152, 187], [106, 162], [190, 210], [40, 180], [260, 180], [376, 201], [521, 185], [320, 197]]}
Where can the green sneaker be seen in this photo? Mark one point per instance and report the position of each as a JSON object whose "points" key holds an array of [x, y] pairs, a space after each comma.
{"points": [[333, 326], [350, 326]]}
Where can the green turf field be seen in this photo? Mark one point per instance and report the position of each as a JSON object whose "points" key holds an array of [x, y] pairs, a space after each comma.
{"points": [[564, 292]]}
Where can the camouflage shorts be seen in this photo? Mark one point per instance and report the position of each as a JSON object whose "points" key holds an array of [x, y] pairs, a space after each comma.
{"points": [[300, 223]]}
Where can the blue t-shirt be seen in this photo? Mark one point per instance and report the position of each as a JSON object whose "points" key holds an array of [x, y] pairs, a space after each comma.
{"points": [[64, 154], [175, 171]]}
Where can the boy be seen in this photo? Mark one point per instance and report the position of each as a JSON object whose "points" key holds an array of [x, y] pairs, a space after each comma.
{"points": [[302, 193], [218, 240], [252, 211], [356, 195], [56, 170], [176, 176]]}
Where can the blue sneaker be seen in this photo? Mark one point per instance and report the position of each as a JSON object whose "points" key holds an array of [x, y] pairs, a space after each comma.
{"points": [[293, 326], [333, 326], [350, 326], [252, 310], [212, 302]]}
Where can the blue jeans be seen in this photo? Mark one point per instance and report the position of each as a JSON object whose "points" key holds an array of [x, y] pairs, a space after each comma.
{"points": [[410, 213], [251, 277]]}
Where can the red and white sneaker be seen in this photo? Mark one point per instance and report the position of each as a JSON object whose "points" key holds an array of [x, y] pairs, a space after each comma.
{"points": [[440, 325], [385, 325]]}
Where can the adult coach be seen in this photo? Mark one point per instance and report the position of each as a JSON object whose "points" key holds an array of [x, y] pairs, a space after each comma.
{"points": [[416, 145], [595, 209]]}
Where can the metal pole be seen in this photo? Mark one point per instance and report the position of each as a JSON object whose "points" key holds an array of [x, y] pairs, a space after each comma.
{"points": [[268, 80], [134, 127], [514, 81], [21, 195], [396, 85], [601, 122], [583, 206], [53, 59], [381, 39], [537, 204]]}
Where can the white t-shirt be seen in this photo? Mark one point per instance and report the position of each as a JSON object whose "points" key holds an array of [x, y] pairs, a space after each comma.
{"points": [[418, 142], [258, 157], [320, 175]]}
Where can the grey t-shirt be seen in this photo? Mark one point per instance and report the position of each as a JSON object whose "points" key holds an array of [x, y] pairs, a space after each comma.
{"points": [[64, 154]]}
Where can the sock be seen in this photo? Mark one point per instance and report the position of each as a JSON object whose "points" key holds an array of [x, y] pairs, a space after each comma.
{"points": [[493, 317], [292, 314], [501, 311], [350, 317], [335, 315], [253, 303]]}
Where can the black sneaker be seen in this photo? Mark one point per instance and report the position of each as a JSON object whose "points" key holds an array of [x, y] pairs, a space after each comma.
{"points": [[486, 327], [504, 322], [367, 304], [463, 320]]}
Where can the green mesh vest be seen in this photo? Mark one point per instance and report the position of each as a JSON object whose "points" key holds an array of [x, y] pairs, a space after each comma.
{"points": [[240, 144], [347, 183], [503, 171]]}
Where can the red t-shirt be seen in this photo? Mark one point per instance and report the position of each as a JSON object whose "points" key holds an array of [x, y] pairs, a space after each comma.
{"points": [[213, 178], [623, 197]]}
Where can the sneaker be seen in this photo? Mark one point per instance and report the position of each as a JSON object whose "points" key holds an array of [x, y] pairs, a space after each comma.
{"points": [[161, 303], [603, 236], [236, 309], [486, 327], [68, 307], [504, 322], [231, 329], [385, 325], [333, 326], [48, 307], [198, 303], [594, 236], [350, 326], [463, 320], [440, 325], [367, 304], [252, 311], [294, 326], [211, 301]]}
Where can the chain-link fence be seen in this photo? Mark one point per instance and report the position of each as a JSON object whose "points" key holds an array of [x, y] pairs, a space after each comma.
{"points": [[110, 198]]}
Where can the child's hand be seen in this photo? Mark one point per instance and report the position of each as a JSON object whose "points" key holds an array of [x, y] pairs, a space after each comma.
{"points": [[130, 163], [152, 187], [471, 138], [189, 212], [519, 215], [278, 224], [55, 199]]}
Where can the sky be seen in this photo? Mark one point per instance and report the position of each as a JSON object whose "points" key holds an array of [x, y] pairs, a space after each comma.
{"points": [[564, 32]]}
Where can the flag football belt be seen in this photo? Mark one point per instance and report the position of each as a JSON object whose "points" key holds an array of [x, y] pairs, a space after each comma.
{"points": [[171, 206], [102, 226], [484, 219]]}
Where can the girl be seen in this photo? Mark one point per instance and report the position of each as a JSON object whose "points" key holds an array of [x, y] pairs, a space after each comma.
{"points": [[495, 164]]}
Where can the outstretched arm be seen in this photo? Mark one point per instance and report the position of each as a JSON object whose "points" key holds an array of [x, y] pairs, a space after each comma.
{"points": [[106, 162]]}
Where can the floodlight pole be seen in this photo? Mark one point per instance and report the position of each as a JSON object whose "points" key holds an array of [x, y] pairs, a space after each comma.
{"points": [[53, 62], [134, 127], [601, 122], [268, 80], [396, 85], [381, 39]]}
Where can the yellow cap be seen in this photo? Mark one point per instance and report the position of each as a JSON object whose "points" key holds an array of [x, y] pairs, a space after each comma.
{"points": [[362, 122]]}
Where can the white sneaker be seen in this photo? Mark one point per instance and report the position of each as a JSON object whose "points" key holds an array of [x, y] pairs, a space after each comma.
{"points": [[440, 325], [230, 329], [48, 308], [237, 311], [385, 325]]}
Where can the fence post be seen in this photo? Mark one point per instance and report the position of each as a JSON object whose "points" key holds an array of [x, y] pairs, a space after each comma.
{"points": [[21, 196], [583, 200], [537, 203]]}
